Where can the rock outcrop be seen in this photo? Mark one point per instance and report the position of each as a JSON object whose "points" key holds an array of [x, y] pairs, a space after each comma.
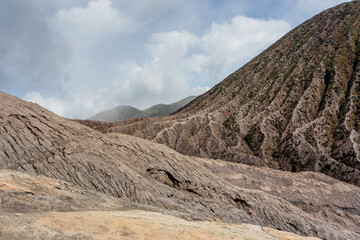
{"points": [[294, 107], [36, 141]]}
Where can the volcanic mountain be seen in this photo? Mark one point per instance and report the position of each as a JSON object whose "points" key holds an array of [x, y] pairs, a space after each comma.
{"points": [[294, 107], [134, 173], [124, 112]]}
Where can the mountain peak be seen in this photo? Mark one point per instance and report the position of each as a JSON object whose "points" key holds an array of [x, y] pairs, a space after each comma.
{"points": [[125, 112]]}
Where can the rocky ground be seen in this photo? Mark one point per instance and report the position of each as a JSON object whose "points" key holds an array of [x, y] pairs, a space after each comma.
{"points": [[35, 207], [36, 141], [129, 225]]}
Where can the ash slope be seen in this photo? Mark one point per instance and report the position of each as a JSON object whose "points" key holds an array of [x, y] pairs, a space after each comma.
{"points": [[37, 141], [127, 112], [294, 107], [51, 209]]}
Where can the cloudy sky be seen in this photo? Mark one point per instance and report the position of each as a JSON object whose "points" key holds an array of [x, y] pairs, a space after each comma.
{"points": [[77, 58]]}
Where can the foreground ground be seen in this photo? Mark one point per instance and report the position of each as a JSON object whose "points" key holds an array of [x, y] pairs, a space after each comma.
{"points": [[43, 208]]}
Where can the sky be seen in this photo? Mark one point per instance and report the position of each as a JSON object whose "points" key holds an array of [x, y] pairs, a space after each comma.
{"points": [[77, 58]]}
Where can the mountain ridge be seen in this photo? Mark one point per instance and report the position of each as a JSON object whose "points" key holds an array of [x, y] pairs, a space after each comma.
{"points": [[125, 112]]}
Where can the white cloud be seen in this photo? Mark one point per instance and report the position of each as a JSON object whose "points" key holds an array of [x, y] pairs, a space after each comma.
{"points": [[176, 42], [242, 37], [74, 105], [164, 75], [164, 78], [94, 35], [198, 90], [231, 44], [51, 103], [170, 69], [86, 26], [179, 64]]}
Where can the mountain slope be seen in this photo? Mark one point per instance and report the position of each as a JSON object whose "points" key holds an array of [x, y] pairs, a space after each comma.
{"points": [[294, 107], [37, 141], [123, 112]]}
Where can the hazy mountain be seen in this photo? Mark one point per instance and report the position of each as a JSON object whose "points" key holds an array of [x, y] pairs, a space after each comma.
{"points": [[124, 112], [294, 107], [121, 112]]}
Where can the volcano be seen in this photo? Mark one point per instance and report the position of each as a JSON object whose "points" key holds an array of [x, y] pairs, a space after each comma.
{"points": [[294, 107]]}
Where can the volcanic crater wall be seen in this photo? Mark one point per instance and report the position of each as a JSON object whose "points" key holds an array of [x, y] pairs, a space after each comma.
{"points": [[294, 107]]}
